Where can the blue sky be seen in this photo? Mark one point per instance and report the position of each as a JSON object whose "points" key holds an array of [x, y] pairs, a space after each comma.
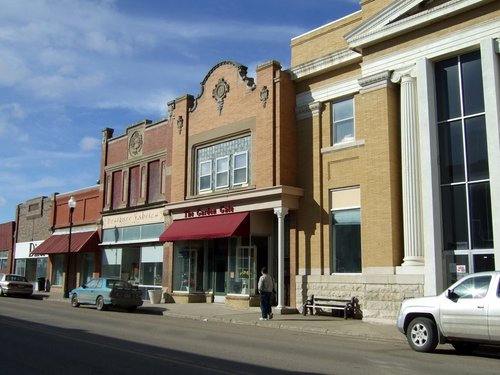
{"points": [[69, 68]]}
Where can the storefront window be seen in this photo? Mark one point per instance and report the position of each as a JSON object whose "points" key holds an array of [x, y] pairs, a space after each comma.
{"points": [[188, 266], [3, 259], [242, 270], [151, 265], [466, 207], [111, 261], [20, 267], [57, 269]]}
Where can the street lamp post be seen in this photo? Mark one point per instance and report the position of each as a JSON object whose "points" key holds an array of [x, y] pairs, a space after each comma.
{"points": [[71, 205]]}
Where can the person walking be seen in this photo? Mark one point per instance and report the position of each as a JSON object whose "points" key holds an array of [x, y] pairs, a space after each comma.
{"points": [[265, 286]]}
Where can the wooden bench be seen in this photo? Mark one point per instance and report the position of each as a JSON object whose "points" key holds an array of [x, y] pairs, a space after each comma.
{"points": [[321, 303]]}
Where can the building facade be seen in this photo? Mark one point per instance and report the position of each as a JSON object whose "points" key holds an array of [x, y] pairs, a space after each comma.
{"points": [[33, 226], [234, 193], [6, 246], [72, 249], [136, 171], [398, 121]]}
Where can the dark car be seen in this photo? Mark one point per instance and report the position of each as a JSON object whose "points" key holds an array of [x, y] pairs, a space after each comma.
{"points": [[11, 284], [103, 292]]}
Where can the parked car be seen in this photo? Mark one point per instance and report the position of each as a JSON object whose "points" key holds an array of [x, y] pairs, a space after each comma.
{"points": [[103, 292], [465, 315], [11, 284]]}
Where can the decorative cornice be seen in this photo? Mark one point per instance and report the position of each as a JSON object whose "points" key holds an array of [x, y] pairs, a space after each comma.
{"points": [[307, 111], [242, 70], [320, 65], [396, 19], [374, 81]]}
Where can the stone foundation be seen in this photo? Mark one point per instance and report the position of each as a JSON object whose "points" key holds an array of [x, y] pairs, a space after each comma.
{"points": [[379, 296]]}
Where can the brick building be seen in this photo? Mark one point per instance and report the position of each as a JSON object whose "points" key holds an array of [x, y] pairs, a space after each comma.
{"points": [[235, 191], [6, 246], [74, 238], [33, 226], [398, 122], [136, 175]]}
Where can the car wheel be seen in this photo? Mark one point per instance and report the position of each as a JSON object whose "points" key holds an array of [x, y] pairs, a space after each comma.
{"points": [[464, 347], [99, 304], [1, 292], [74, 301], [422, 335]]}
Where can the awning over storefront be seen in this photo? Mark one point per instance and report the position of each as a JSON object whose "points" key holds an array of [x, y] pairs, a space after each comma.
{"points": [[219, 226], [58, 243]]}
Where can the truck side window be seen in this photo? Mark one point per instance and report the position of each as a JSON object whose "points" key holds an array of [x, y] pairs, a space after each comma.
{"points": [[474, 287]]}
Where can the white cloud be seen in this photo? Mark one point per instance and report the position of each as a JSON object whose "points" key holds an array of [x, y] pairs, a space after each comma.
{"points": [[3, 201], [88, 144]]}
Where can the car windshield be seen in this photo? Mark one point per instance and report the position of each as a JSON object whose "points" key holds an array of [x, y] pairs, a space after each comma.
{"points": [[15, 278], [117, 284]]}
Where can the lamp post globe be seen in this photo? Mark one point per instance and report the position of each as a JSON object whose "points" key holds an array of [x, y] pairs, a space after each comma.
{"points": [[71, 205]]}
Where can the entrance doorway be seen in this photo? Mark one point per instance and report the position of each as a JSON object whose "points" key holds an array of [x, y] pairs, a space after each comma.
{"points": [[219, 273]]}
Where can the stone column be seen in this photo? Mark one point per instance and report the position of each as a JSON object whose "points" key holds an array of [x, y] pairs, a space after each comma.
{"points": [[281, 212], [412, 220]]}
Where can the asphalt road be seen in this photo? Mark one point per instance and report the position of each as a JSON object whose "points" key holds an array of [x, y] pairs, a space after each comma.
{"points": [[46, 337]]}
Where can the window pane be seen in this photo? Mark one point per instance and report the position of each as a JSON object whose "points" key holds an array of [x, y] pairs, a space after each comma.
{"points": [[447, 89], [454, 213], [205, 183], [477, 152], [472, 78], [452, 166], [480, 216], [344, 131], [484, 262], [346, 234], [222, 172], [475, 287], [205, 168], [343, 121], [342, 110], [240, 160], [205, 175], [240, 169]]}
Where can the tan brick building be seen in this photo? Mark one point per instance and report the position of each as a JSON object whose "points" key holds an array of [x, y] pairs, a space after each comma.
{"points": [[398, 127], [234, 193]]}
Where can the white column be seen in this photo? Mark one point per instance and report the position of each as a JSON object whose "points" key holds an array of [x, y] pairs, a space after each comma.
{"points": [[411, 182], [281, 212]]}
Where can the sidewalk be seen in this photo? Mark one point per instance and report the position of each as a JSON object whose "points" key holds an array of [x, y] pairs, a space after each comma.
{"points": [[217, 312]]}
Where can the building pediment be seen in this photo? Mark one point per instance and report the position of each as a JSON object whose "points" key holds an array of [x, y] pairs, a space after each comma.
{"points": [[403, 16]]}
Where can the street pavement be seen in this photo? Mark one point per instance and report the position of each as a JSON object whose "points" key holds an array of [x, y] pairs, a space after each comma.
{"points": [[219, 312]]}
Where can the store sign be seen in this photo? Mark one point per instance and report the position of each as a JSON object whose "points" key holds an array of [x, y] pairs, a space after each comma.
{"points": [[24, 249], [209, 212], [133, 218]]}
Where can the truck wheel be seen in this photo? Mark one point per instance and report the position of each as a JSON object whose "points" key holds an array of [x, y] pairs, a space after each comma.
{"points": [[422, 335]]}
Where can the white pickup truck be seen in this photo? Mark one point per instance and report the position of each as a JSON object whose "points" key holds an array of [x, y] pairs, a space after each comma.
{"points": [[465, 315]]}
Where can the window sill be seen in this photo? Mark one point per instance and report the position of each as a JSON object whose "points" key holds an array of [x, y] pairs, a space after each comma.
{"points": [[343, 146]]}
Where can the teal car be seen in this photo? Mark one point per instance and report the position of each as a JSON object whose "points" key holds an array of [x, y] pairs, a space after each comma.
{"points": [[104, 292]]}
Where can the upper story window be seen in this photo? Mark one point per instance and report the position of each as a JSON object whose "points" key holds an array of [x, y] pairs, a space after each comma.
{"points": [[223, 165], [343, 121]]}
